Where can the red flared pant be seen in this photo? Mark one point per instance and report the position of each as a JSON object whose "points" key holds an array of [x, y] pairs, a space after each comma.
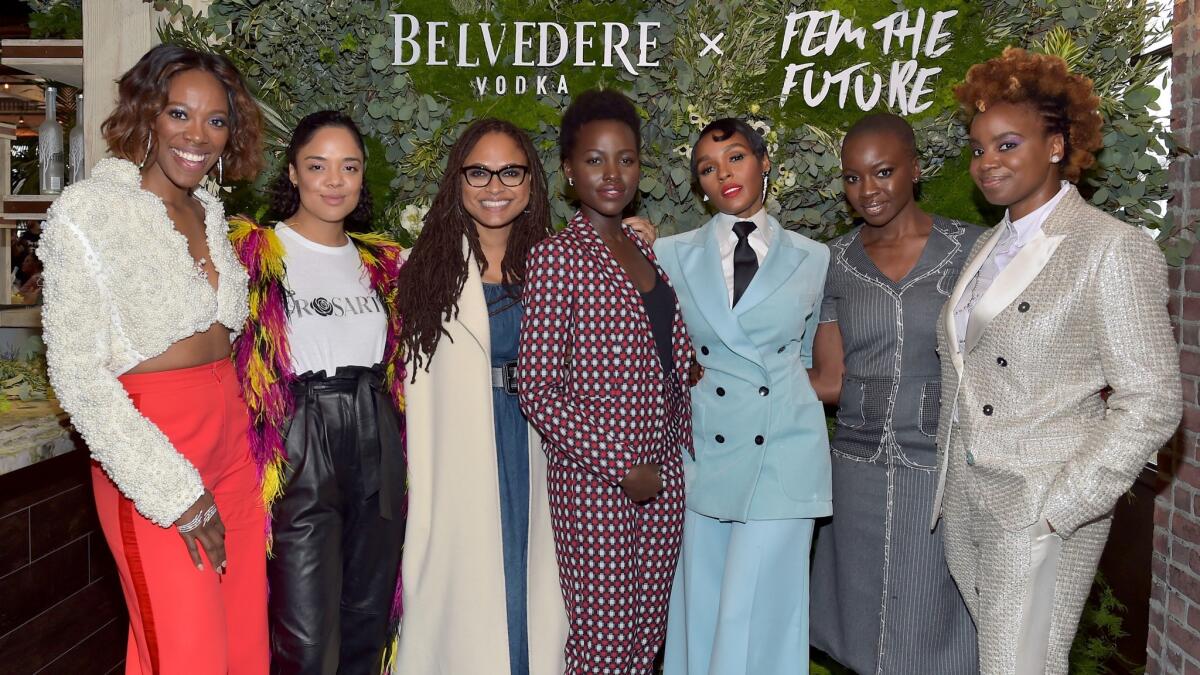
{"points": [[184, 620]]}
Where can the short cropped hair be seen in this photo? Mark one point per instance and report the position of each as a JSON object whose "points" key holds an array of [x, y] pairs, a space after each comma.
{"points": [[595, 105], [884, 123], [142, 93]]}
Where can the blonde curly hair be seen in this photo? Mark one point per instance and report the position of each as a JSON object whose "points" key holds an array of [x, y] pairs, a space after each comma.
{"points": [[1065, 100]]}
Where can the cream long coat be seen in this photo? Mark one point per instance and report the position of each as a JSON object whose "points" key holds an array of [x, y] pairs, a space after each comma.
{"points": [[454, 603], [1024, 433]]}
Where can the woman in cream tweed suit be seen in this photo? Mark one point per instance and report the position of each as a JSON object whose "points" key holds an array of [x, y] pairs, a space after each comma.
{"points": [[1061, 303]]}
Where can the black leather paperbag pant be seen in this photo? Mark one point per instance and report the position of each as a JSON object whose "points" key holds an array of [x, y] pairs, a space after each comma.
{"points": [[338, 528]]}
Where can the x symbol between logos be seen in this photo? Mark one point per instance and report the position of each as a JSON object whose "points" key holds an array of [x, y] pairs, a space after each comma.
{"points": [[711, 44]]}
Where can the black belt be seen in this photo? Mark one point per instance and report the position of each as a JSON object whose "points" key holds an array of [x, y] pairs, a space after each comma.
{"points": [[376, 420]]}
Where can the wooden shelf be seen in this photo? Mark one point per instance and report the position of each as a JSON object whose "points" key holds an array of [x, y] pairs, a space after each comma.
{"points": [[25, 207], [21, 317], [54, 60]]}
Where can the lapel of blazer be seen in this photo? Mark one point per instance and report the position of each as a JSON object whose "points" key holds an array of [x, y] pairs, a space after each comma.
{"points": [[1020, 272], [472, 308], [968, 273], [608, 266], [700, 262], [782, 260]]}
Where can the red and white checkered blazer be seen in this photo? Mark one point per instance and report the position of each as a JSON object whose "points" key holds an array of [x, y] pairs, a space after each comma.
{"points": [[589, 375]]}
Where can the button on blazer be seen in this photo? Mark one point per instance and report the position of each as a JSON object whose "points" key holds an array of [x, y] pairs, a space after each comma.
{"points": [[762, 447]]}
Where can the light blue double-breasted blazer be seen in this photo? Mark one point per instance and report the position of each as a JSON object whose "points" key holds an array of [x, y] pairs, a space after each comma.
{"points": [[762, 448]]}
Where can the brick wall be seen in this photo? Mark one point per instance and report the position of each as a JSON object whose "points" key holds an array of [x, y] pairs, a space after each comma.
{"points": [[1174, 639]]}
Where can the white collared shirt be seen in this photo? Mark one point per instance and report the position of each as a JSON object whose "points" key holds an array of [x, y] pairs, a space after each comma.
{"points": [[759, 239], [1014, 237]]}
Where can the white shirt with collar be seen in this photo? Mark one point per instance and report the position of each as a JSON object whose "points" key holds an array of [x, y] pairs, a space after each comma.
{"points": [[760, 241], [1014, 237]]}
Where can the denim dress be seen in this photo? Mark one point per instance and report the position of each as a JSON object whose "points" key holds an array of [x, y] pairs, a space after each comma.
{"points": [[883, 600], [512, 455]]}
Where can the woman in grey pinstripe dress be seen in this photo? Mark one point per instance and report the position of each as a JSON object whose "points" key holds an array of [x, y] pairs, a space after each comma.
{"points": [[883, 600]]}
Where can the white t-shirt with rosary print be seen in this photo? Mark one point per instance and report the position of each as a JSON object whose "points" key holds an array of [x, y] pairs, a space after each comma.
{"points": [[334, 317]]}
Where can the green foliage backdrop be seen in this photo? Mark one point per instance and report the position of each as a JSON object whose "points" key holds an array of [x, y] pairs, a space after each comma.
{"points": [[306, 55]]}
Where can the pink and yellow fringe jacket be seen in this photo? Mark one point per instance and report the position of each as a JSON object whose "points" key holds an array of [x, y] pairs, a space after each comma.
{"points": [[261, 353]]}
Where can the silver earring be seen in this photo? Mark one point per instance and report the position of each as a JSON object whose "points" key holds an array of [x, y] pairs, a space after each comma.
{"points": [[149, 142], [705, 197], [220, 169], [571, 182], [765, 183], [1054, 158]]}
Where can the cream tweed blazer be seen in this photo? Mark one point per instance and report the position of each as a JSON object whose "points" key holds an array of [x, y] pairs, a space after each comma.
{"points": [[1024, 433]]}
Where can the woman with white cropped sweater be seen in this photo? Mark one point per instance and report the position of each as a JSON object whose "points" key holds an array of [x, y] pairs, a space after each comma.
{"points": [[142, 295]]}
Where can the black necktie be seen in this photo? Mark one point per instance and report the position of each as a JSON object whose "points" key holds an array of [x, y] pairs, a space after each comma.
{"points": [[745, 261]]}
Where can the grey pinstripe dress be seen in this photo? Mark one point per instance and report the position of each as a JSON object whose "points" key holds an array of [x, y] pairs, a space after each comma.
{"points": [[882, 597]]}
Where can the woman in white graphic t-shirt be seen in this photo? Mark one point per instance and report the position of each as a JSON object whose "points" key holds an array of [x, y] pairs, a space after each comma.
{"points": [[319, 372]]}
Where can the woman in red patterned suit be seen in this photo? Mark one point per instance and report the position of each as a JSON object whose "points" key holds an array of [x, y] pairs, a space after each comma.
{"points": [[603, 376]]}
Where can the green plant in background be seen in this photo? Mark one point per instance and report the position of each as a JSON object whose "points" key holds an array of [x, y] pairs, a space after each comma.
{"points": [[306, 55], [1095, 645], [1104, 40], [311, 54], [56, 19], [300, 57], [804, 142]]}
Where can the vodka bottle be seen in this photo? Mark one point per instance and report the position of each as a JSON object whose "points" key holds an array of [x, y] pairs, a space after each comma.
{"points": [[75, 158], [50, 147]]}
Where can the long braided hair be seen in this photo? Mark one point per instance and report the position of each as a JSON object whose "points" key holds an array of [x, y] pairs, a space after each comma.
{"points": [[432, 280]]}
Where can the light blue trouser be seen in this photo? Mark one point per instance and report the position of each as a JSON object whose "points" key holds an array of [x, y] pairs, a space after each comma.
{"points": [[739, 604]]}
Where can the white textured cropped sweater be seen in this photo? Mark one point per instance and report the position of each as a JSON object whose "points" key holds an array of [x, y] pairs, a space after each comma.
{"points": [[120, 287]]}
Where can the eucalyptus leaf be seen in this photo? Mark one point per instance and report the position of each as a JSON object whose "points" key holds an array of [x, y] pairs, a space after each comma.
{"points": [[417, 112]]}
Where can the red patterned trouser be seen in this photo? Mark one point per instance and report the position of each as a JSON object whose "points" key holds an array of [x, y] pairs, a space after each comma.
{"points": [[616, 561]]}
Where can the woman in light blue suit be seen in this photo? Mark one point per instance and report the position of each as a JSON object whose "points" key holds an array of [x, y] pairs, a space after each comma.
{"points": [[750, 293]]}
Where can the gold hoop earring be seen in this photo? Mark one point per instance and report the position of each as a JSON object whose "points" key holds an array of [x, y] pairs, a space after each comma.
{"points": [[149, 142]]}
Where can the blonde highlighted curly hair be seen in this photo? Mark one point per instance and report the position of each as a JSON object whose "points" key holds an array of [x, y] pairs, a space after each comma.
{"points": [[1065, 100]]}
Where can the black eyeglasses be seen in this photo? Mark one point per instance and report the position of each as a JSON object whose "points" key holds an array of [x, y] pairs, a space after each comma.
{"points": [[510, 176]]}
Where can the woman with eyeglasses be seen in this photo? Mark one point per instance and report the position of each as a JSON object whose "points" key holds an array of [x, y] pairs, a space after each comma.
{"points": [[481, 591]]}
